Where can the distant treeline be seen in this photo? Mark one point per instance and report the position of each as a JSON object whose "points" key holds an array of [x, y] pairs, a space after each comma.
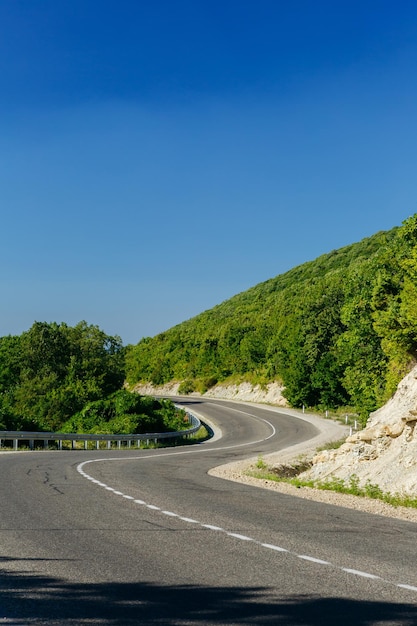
{"points": [[337, 331], [60, 378]]}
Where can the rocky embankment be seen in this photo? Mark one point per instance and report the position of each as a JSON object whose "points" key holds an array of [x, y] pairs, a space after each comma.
{"points": [[269, 394], [385, 452]]}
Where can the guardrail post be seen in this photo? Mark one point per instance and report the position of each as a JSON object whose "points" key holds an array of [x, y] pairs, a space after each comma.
{"points": [[108, 444], [98, 444], [15, 444]]}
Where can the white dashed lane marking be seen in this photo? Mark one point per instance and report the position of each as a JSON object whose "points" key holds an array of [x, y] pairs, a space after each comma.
{"points": [[356, 572], [313, 559], [238, 536]]}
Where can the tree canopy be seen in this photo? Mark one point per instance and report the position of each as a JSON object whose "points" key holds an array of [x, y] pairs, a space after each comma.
{"points": [[49, 373]]}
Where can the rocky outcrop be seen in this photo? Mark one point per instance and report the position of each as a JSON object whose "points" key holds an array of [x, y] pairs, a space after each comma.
{"points": [[269, 394], [385, 452]]}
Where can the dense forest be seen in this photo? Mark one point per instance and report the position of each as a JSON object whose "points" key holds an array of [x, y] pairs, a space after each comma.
{"points": [[69, 379], [337, 331]]}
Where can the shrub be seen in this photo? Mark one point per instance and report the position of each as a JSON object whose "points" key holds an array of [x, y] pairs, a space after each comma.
{"points": [[186, 387]]}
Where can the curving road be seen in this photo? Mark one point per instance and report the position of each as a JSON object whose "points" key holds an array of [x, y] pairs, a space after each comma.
{"points": [[148, 537]]}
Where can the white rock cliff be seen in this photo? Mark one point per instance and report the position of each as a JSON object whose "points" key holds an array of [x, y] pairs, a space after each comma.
{"points": [[385, 452]]}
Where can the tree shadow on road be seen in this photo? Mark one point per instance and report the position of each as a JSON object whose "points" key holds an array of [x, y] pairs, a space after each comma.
{"points": [[30, 598]]}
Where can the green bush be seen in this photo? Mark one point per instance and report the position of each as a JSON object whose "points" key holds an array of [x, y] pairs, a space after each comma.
{"points": [[124, 412], [186, 387]]}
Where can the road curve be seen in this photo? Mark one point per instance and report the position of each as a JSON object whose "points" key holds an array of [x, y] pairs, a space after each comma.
{"points": [[148, 537]]}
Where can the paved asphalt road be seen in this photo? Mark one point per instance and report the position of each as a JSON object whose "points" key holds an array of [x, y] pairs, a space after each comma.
{"points": [[148, 537]]}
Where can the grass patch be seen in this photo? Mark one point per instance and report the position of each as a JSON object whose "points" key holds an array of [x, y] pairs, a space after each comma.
{"points": [[290, 474], [201, 435], [331, 445], [344, 415], [260, 464]]}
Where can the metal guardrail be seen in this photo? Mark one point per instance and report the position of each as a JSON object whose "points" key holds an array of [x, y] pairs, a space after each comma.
{"points": [[22, 436]]}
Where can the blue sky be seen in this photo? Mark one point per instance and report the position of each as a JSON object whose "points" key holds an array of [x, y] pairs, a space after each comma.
{"points": [[158, 157]]}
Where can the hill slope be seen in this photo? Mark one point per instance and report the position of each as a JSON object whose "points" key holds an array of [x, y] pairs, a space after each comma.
{"points": [[339, 330]]}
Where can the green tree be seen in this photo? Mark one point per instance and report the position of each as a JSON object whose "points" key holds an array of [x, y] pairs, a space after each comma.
{"points": [[49, 372], [394, 302]]}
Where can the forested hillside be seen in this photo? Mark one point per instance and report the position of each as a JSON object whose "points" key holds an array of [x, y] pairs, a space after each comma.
{"points": [[339, 330]]}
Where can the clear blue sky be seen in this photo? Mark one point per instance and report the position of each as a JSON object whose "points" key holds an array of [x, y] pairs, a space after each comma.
{"points": [[158, 157]]}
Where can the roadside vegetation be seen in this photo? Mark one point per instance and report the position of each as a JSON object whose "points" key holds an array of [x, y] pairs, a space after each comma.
{"points": [[291, 474], [124, 412]]}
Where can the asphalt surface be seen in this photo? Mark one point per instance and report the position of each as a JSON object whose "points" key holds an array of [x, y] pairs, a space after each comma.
{"points": [[148, 537]]}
